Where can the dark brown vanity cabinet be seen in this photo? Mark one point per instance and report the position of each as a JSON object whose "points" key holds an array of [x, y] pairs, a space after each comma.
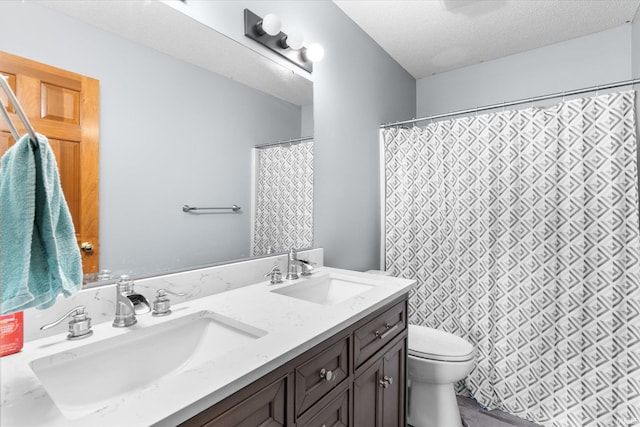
{"points": [[355, 378]]}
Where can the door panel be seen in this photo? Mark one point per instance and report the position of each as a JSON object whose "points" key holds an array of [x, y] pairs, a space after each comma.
{"points": [[68, 157], [59, 104]]}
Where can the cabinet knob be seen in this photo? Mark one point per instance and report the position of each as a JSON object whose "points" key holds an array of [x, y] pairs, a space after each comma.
{"points": [[386, 381], [327, 375]]}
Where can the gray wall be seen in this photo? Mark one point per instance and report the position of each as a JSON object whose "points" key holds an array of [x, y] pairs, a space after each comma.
{"points": [[599, 58], [357, 88], [171, 134]]}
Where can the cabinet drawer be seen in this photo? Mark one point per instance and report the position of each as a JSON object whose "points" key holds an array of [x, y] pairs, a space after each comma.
{"points": [[320, 374], [371, 337]]}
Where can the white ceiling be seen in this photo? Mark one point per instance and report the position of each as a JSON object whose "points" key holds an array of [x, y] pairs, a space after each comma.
{"points": [[433, 36]]}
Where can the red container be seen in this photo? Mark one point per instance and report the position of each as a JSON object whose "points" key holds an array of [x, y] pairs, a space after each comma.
{"points": [[11, 333]]}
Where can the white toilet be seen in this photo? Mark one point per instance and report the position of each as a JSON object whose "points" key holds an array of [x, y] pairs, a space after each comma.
{"points": [[436, 361]]}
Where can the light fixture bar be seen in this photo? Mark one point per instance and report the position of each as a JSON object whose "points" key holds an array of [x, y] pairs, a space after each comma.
{"points": [[251, 21]]}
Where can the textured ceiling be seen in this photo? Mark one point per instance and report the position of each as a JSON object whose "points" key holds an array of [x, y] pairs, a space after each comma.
{"points": [[433, 36]]}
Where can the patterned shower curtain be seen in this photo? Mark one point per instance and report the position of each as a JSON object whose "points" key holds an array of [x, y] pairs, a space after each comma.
{"points": [[283, 216], [521, 228]]}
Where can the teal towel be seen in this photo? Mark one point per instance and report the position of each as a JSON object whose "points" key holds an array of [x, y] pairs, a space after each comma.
{"points": [[39, 255]]}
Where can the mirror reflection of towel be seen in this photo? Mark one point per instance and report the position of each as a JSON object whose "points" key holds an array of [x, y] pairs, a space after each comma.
{"points": [[39, 255]]}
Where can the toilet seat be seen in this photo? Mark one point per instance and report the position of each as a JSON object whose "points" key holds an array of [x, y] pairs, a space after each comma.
{"points": [[429, 343]]}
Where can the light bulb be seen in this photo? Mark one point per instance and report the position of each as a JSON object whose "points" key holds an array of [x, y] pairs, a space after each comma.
{"points": [[293, 40], [314, 52], [270, 24]]}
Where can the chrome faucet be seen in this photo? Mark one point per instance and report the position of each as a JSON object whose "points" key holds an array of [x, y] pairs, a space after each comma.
{"points": [[128, 303], [292, 266]]}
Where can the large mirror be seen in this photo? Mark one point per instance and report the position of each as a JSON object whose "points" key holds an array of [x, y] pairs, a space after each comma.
{"points": [[182, 108]]}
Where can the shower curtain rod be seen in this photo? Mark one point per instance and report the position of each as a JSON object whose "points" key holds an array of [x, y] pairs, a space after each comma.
{"points": [[288, 141], [518, 102]]}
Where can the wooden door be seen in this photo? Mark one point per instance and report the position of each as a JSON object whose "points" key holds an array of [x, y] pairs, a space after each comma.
{"points": [[64, 107]]}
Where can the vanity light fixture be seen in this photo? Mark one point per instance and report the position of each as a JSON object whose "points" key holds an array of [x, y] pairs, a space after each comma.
{"points": [[267, 32]]}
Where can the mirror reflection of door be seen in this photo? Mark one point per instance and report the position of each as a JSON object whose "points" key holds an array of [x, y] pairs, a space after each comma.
{"points": [[283, 205], [64, 107]]}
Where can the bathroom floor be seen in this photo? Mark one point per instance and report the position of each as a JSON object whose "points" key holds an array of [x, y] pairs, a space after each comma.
{"points": [[474, 416]]}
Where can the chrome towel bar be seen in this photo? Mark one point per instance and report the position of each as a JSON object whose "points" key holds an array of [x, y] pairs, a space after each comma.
{"points": [[187, 208]]}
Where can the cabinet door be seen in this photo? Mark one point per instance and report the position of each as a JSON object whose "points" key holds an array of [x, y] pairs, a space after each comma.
{"points": [[334, 414], [367, 396], [393, 386], [379, 389]]}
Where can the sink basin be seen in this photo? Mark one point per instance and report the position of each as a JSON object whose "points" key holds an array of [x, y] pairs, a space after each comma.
{"points": [[88, 378], [327, 290]]}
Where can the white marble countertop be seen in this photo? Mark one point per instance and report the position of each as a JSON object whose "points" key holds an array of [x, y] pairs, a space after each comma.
{"points": [[292, 325]]}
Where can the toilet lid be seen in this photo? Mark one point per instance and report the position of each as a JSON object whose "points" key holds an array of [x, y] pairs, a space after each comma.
{"points": [[434, 344]]}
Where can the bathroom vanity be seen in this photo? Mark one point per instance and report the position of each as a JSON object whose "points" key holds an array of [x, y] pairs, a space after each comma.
{"points": [[325, 349], [356, 377]]}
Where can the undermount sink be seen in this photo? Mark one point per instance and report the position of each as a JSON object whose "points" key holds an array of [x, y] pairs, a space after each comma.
{"points": [[327, 290], [88, 378]]}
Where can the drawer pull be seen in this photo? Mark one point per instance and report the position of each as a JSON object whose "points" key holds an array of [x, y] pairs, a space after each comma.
{"points": [[389, 331], [386, 381], [327, 375]]}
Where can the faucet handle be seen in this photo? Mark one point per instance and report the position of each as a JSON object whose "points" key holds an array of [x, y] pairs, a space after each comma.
{"points": [[79, 325], [162, 304], [276, 275], [307, 267]]}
